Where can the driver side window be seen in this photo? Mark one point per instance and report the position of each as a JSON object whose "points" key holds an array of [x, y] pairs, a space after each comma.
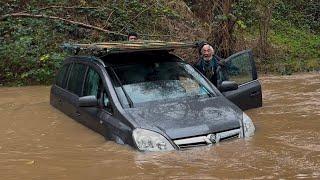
{"points": [[94, 86]]}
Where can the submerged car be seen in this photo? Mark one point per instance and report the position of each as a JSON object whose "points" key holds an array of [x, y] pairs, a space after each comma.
{"points": [[141, 94]]}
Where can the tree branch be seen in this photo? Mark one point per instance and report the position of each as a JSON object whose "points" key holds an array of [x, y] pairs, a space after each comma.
{"points": [[138, 15], [62, 7], [2, 18], [108, 19], [150, 35], [65, 7], [26, 15]]}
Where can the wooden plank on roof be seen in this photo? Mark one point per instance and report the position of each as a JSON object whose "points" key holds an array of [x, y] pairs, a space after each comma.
{"points": [[123, 46]]}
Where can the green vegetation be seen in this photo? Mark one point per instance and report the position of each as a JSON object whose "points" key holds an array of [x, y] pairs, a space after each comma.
{"points": [[30, 54], [29, 51], [298, 50], [284, 34]]}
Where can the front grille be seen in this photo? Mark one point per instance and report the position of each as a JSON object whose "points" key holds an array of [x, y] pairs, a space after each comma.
{"points": [[206, 139]]}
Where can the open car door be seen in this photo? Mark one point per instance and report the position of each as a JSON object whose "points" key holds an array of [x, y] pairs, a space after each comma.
{"points": [[240, 68]]}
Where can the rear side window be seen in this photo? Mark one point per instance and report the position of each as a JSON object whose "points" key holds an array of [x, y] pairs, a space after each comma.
{"points": [[92, 84], [62, 76], [76, 78]]}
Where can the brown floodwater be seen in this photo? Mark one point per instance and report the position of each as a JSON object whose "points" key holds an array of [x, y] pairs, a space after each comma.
{"points": [[39, 142]]}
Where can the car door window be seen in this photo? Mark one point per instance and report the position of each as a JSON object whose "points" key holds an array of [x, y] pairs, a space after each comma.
{"points": [[238, 68], [76, 79], [92, 84]]}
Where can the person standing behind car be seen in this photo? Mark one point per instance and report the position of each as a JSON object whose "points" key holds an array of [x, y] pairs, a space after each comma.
{"points": [[208, 62], [132, 36]]}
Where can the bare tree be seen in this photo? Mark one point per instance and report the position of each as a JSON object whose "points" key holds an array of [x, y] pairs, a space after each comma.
{"points": [[218, 15], [264, 10], [223, 24]]}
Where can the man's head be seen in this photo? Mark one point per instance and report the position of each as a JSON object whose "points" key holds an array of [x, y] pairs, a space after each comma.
{"points": [[207, 52], [132, 36]]}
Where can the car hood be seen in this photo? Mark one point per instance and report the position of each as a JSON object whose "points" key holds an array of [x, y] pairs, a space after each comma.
{"points": [[186, 118]]}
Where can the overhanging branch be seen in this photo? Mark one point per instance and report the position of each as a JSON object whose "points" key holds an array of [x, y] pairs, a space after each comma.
{"points": [[26, 15]]}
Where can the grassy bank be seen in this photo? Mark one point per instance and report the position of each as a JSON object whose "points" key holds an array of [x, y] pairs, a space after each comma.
{"points": [[295, 50]]}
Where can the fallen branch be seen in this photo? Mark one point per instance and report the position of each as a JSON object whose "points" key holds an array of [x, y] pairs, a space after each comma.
{"points": [[66, 7], [150, 35], [62, 7], [4, 17], [61, 19]]}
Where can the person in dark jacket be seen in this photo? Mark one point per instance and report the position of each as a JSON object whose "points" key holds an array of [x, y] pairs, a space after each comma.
{"points": [[208, 62]]}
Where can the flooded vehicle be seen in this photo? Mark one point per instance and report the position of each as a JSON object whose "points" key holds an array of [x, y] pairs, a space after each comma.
{"points": [[145, 96]]}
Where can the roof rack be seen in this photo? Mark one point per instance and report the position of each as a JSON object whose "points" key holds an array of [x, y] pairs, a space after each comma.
{"points": [[104, 48]]}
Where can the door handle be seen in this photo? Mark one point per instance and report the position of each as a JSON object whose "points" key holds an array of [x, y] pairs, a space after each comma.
{"points": [[78, 113], [254, 93]]}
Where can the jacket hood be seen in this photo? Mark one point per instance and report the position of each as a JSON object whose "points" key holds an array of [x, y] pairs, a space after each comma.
{"points": [[186, 118]]}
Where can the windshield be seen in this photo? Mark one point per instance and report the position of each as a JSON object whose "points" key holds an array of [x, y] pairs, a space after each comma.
{"points": [[158, 81]]}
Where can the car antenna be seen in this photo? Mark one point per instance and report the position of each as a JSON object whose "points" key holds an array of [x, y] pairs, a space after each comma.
{"points": [[124, 91]]}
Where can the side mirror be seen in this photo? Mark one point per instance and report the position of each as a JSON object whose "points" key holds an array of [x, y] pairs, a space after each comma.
{"points": [[87, 101], [228, 86]]}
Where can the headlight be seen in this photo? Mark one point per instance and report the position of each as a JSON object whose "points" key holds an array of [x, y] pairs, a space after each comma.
{"points": [[150, 141], [248, 126]]}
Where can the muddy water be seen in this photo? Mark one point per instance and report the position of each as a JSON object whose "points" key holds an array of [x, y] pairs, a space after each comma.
{"points": [[39, 142]]}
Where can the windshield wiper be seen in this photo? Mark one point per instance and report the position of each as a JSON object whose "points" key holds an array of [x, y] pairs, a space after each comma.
{"points": [[124, 91]]}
